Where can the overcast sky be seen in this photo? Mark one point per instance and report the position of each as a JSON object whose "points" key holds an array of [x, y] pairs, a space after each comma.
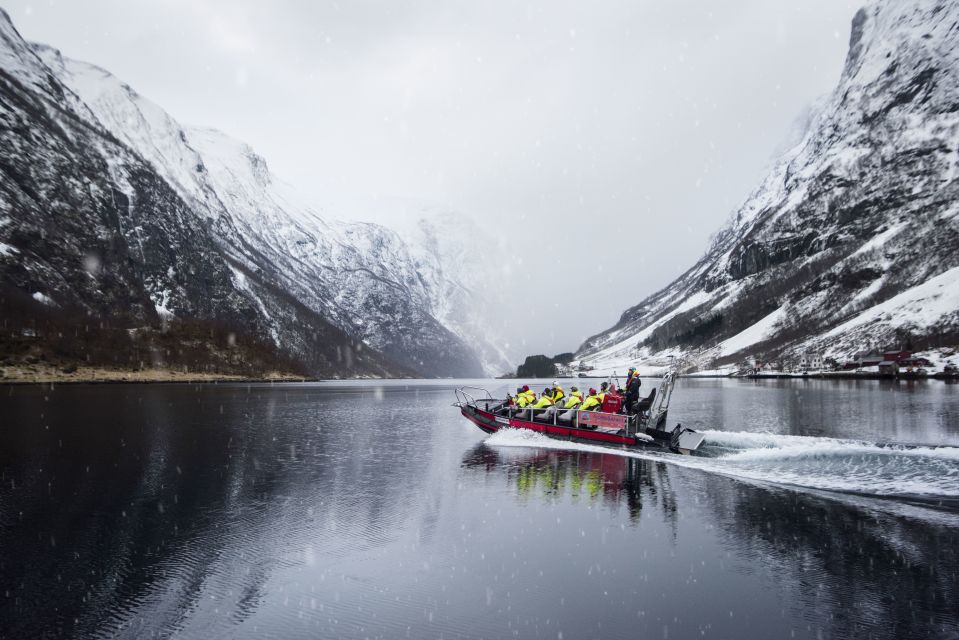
{"points": [[616, 135]]}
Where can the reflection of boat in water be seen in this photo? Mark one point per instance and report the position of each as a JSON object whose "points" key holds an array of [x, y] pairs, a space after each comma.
{"points": [[644, 427], [552, 474], [864, 571]]}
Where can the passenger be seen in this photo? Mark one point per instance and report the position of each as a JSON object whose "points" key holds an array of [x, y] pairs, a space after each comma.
{"points": [[575, 397], [545, 406], [557, 393], [572, 403], [603, 390], [592, 401], [529, 396], [612, 400], [524, 398], [545, 400]]}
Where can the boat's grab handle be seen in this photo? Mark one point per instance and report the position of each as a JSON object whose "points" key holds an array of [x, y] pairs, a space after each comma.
{"points": [[464, 397]]}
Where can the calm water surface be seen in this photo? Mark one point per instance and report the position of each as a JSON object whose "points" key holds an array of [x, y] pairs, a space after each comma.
{"points": [[373, 510]]}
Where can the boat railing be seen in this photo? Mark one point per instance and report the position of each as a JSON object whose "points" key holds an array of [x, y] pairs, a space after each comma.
{"points": [[467, 396], [628, 422], [660, 403]]}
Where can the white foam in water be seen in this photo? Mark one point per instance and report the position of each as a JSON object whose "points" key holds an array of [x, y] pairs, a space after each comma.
{"points": [[814, 462]]}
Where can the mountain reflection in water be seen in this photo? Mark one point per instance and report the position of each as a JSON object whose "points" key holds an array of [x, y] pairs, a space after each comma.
{"points": [[361, 510]]}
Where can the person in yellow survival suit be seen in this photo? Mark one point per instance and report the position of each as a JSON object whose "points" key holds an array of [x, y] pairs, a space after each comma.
{"points": [[530, 394], [592, 401], [520, 399], [524, 396], [575, 397], [545, 400], [558, 393], [572, 403], [546, 404]]}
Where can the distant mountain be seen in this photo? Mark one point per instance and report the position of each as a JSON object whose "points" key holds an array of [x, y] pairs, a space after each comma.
{"points": [[457, 259], [187, 223], [852, 240]]}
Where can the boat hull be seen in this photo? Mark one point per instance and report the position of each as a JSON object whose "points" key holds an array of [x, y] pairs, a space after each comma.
{"points": [[491, 423]]}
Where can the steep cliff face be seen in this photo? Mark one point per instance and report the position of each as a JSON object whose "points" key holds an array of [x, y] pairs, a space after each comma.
{"points": [[852, 240], [458, 262], [85, 222], [188, 223]]}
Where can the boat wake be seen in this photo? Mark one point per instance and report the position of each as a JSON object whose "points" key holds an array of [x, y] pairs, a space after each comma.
{"points": [[929, 475]]}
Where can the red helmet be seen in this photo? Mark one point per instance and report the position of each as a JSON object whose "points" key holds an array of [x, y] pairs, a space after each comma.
{"points": [[525, 387], [592, 391]]}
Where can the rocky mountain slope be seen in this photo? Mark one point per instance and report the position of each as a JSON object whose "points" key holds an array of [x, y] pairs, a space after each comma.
{"points": [[852, 240], [181, 222]]}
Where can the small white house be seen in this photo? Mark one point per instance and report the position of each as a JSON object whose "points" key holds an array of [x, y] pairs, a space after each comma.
{"points": [[811, 362]]}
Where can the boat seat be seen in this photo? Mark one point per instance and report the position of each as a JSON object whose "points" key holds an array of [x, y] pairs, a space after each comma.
{"points": [[644, 404], [546, 414]]}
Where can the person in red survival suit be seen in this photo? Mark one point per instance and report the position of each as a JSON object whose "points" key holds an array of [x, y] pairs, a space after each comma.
{"points": [[612, 401]]}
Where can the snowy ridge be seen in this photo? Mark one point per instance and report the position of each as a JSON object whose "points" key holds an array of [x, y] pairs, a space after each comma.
{"points": [[850, 238]]}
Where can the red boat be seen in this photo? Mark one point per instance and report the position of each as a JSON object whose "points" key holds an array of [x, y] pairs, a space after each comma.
{"points": [[644, 427]]}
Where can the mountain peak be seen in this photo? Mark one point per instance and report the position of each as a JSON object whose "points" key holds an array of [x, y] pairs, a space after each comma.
{"points": [[5, 21]]}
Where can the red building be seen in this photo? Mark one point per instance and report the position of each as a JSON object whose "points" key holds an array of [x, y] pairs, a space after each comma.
{"points": [[904, 359]]}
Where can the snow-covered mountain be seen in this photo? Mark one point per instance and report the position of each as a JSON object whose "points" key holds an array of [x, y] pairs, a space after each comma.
{"points": [[458, 260], [852, 240], [283, 268]]}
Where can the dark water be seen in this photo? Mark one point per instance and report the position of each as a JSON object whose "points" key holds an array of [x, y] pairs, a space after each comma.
{"points": [[375, 511]]}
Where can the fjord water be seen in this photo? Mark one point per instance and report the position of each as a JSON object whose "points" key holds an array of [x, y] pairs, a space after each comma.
{"points": [[374, 510]]}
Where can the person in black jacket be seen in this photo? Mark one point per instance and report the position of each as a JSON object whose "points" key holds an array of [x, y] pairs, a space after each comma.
{"points": [[632, 392]]}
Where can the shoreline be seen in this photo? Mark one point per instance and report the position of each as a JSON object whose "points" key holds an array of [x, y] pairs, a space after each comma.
{"points": [[105, 381], [826, 376], [10, 376]]}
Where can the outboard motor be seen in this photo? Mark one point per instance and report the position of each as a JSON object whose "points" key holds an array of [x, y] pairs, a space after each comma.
{"points": [[674, 438], [685, 441]]}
